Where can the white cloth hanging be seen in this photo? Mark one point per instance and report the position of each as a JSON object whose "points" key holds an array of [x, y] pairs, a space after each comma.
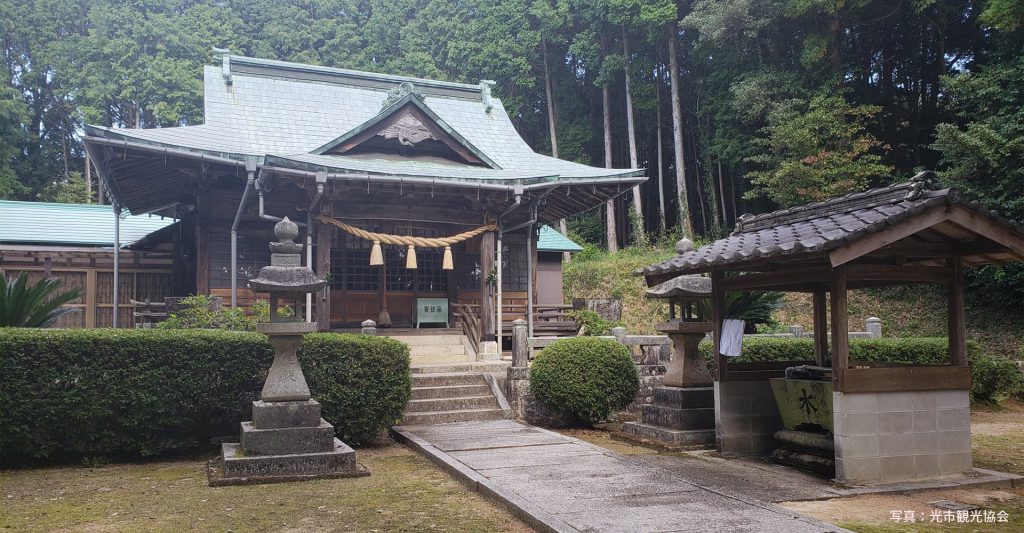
{"points": [[731, 344]]}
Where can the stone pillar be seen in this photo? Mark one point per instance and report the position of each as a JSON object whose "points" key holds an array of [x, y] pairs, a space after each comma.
{"points": [[874, 327], [369, 328], [619, 333], [518, 383], [486, 294], [796, 331]]}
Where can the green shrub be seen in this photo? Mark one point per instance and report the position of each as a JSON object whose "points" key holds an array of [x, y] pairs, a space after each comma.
{"points": [[71, 394], [992, 377], [197, 313], [592, 323], [584, 378], [363, 382]]}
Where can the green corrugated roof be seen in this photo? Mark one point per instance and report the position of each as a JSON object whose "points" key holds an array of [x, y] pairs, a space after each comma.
{"points": [[551, 240], [71, 224]]}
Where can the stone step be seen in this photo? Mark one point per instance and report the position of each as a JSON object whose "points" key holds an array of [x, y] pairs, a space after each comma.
{"points": [[686, 398], [672, 418], [280, 441], [445, 417], [421, 360], [437, 349], [429, 340], [453, 378], [671, 437], [340, 459], [489, 367], [434, 405], [449, 391]]}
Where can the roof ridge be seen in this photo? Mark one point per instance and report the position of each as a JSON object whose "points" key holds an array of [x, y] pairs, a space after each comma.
{"points": [[343, 73], [868, 198]]}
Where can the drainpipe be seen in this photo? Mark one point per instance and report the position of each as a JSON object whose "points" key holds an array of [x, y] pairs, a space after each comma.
{"points": [[321, 179], [263, 214], [117, 260], [250, 169]]}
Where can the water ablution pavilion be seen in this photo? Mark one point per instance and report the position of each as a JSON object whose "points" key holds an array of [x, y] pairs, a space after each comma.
{"points": [[409, 192], [874, 422]]}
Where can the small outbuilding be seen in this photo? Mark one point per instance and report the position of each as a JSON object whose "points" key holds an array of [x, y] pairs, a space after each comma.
{"points": [[890, 422], [75, 243]]}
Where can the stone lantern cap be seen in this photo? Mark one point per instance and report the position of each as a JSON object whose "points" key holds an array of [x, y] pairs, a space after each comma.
{"points": [[286, 273], [682, 287]]}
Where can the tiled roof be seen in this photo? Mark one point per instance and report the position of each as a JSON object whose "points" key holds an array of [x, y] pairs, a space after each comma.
{"points": [[71, 224], [289, 110], [551, 240], [816, 227]]}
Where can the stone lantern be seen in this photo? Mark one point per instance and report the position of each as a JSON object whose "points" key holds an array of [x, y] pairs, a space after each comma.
{"points": [[287, 439], [683, 411]]}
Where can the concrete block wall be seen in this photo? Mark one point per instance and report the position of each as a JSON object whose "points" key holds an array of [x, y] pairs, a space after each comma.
{"points": [[888, 437], [746, 417]]}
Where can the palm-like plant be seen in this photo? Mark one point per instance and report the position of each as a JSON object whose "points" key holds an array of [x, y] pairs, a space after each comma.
{"points": [[753, 307], [33, 305]]}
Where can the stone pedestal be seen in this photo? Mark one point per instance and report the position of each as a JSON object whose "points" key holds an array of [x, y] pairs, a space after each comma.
{"points": [[683, 411], [287, 439], [678, 417]]}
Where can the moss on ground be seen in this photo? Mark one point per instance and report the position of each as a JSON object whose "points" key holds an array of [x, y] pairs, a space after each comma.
{"points": [[404, 493]]}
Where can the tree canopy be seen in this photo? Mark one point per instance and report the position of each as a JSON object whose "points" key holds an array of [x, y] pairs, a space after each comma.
{"points": [[782, 101]]}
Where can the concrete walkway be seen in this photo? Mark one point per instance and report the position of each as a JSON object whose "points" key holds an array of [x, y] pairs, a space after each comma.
{"points": [[558, 483]]}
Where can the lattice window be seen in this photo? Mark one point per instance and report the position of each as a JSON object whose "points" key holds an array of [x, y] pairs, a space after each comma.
{"points": [[359, 275], [513, 271], [253, 254]]}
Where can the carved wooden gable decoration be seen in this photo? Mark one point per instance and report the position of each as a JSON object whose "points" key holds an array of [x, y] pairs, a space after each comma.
{"points": [[406, 127]]}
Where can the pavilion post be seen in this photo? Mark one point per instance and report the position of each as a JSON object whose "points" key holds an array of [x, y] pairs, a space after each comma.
{"points": [[840, 327], [957, 328], [324, 239], [820, 328], [717, 316], [486, 298]]}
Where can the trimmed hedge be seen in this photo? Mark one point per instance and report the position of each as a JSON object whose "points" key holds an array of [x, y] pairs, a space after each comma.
{"points": [[991, 376], [363, 382], [70, 394], [584, 378]]}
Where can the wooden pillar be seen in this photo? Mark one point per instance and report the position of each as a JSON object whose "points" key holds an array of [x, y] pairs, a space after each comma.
{"points": [[717, 316], [820, 328], [324, 240], [202, 259], [486, 297], [840, 328], [957, 327]]}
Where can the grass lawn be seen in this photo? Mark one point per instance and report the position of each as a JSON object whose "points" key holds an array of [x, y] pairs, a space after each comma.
{"points": [[405, 492]]}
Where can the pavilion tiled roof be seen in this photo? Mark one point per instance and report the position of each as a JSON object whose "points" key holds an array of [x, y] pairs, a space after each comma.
{"points": [[817, 227]]}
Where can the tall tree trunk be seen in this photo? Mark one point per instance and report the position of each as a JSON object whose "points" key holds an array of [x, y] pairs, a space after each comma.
{"points": [[677, 136], [721, 196], [88, 179], [639, 232], [613, 240], [661, 159], [552, 129]]}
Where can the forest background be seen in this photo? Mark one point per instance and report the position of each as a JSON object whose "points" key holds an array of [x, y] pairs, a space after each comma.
{"points": [[733, 106]]}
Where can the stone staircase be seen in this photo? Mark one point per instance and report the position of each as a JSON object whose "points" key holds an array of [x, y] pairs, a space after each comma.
{"points": [[441, 348], [443, 397]]}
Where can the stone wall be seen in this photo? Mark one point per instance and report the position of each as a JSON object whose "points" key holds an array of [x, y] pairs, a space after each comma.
{"points": [[902, 436], [746, 417]]}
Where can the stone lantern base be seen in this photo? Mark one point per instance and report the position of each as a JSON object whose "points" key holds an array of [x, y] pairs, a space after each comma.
{"points": [[287, 439], [683, 411]]}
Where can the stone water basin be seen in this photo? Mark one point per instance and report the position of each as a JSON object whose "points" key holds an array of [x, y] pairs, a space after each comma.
{"points": [[804, 402]]}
